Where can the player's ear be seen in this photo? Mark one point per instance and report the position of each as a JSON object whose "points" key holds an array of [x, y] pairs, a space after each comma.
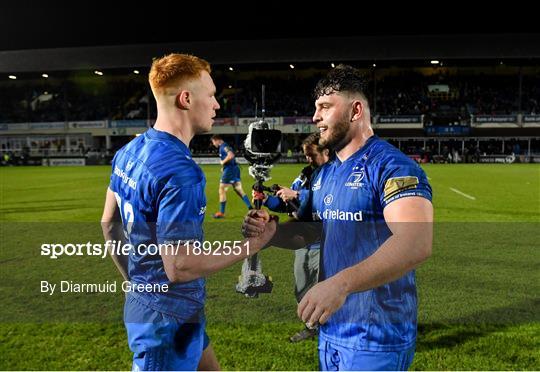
{"points": [[357, 110], [183, 100]]}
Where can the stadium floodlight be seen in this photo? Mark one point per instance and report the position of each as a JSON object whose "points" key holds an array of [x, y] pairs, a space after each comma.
{"points": [[332, 64], [45, 76], [136, 72], [98, 73], [231, 69], [12, 77], [291, 65], [434, 62]]}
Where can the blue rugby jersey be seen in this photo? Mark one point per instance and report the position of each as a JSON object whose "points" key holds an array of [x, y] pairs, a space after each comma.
{"points": [[223, 150], [160, 192], [349, 198], [300, 184]]}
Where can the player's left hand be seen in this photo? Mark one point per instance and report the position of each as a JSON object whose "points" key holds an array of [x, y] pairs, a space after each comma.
{"points": [[287, 194], [321, 301]]}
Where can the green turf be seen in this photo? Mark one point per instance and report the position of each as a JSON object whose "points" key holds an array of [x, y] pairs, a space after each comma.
{"points": [[479, 303]]}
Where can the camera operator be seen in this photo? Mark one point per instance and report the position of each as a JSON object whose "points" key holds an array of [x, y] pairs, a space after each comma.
{"points": [[306, 261]]}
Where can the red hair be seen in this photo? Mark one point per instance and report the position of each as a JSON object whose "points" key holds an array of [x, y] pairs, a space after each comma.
{"points": [[172, 69]]}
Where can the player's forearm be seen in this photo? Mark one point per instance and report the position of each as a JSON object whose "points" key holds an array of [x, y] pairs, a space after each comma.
{"points": [[227, 159], [121, 263], [191, 263], [296, 234], [396, 257], [112, 230]]}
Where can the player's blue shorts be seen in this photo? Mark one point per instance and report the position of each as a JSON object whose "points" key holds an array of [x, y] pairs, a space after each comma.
{"points": [[230, 175], [333, 357], [160, 341]]}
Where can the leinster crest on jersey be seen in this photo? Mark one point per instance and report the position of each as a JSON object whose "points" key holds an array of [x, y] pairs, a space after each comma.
{"points": [[354, 181]]}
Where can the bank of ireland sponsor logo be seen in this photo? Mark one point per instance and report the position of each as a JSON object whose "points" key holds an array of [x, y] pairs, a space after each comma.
{"points": [[328, 199], [340, 215], [125, 178]]}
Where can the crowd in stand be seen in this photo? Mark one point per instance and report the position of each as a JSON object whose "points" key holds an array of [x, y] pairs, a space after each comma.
{"points": [[125, 97], [73, 99], [79, 96]]}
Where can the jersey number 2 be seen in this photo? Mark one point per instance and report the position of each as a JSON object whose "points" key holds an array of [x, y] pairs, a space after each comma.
{"points": [[127, 214]]}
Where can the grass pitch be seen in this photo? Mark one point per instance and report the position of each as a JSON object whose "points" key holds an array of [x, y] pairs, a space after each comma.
{"points": [[479, 292]]}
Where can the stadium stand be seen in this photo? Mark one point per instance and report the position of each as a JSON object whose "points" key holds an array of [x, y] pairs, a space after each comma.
{"points": [[455, 110]]}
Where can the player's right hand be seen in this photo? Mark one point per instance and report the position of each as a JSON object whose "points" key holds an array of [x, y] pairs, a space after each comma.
{"points": [[259, 227], [255, 223]]}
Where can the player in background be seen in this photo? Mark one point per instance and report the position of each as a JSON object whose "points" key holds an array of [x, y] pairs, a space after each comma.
{"points": [[306, 260], [230, 175], [375, 212], [157, 192]]}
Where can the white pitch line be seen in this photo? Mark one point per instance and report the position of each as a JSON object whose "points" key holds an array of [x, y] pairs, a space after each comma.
{"points": [[462, 193]]}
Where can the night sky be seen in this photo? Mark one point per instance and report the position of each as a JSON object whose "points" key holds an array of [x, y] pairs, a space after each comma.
{"points": [[55, 24]]}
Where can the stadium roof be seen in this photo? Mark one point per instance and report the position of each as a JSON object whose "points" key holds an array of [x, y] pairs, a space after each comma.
{"points": [[40, 36]]}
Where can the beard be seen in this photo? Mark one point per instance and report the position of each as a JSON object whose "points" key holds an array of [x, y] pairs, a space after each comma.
{"points": [[338, 136]]}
